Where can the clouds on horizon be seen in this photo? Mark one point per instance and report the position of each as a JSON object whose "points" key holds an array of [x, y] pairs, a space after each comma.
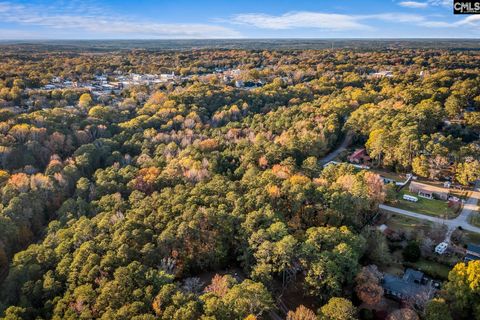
{"points": [[343, 22], [426, 4], [61, 19], [290, 20], [414, 4], [321, 20], [94, 20]]}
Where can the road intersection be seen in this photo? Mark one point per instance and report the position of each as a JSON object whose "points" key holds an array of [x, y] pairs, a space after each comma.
{"points": [[469, 208]]}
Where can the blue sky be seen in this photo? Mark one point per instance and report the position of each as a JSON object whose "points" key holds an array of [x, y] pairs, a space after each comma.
{"points": [[193, 19]]}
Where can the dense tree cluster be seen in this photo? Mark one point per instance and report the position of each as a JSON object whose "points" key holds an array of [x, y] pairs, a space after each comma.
{"points": [[115, 207], [427, 126]]}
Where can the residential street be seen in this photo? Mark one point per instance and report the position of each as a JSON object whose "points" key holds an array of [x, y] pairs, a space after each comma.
{"points": [[462, 220], [469, 207]]}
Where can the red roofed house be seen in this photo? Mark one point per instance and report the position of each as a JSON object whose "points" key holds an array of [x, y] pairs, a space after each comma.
{"points": [[359, 156]]}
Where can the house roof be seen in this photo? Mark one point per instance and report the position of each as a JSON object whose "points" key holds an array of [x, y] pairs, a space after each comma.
{"points": [[358, 153], [427, 187], [409, 287], [413, 275], [403, 288], [473, 248], [470, 257]]}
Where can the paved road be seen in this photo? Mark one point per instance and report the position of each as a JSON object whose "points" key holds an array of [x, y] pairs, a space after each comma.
{"points": [[470, 206], [343, 146], [462, 220], [411, 214]]}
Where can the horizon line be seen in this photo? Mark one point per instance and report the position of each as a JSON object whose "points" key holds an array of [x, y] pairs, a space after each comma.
{"points": [[235, 39]]}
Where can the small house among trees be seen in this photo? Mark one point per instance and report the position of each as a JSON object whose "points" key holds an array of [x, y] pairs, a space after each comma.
{"points": [[359, 156], [412, 288], [428, 191]]}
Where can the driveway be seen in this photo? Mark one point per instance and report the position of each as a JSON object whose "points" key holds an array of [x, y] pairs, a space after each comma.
{"points": [[469, 207], [343, 146]]}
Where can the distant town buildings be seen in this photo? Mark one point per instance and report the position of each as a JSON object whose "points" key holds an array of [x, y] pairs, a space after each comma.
{"points": [[168, 77], [106, 83], [239, 84]]}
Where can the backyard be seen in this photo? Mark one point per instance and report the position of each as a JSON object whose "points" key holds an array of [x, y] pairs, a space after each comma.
{"points": [[399, 177], [464, 237], [417, 230], [472, 237], [475, 219], [434, 269]]}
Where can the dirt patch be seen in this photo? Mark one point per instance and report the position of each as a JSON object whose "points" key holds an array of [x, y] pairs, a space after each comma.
{"points": [[293, 296], [206, 277]]}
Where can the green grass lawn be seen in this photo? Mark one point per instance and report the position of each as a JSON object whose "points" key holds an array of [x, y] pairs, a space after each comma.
{"points": [[475, 220], [436, 208], [471, 237], [431, 268]]}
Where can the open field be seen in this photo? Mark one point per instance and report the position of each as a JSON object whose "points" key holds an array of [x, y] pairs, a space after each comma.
{"points": [[405, 224]]}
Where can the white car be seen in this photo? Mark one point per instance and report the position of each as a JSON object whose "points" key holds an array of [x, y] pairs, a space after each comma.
{"points": [[441, 248]]}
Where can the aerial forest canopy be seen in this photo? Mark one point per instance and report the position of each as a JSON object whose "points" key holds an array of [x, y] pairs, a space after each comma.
{"points": [[135, 203]]}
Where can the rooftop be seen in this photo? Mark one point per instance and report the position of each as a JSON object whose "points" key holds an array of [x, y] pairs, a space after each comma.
{"points": [[413, 276], [412, 286], [358, 153], [427, 187], [470, 257], [473, 248]]}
